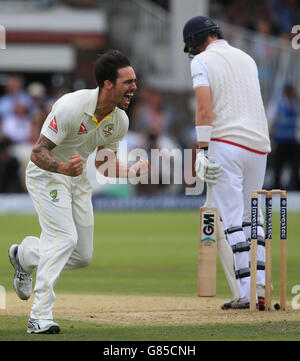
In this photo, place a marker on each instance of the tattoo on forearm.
(42, 157)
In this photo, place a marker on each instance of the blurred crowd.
(273, 17)
(22, 113)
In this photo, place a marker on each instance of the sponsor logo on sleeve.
(82, 129)
(53, 125)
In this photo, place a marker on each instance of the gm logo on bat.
(208, 224)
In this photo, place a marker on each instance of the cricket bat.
(207, 265)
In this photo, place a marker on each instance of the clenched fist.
(73, 167)
(139, 168)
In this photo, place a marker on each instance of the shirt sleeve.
(199, 73)
(57, 124)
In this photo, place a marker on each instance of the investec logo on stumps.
(269, 217)
(283, 218)
(254, 204)
(208, 228)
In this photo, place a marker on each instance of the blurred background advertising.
(50, 50)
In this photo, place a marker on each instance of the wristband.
(203, 133)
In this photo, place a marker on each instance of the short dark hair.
(213, 33)
(107, 65)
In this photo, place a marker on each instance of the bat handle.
(209, 195)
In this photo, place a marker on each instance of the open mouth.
(128, 97)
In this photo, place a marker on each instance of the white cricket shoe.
(42, 326)
(22, 279)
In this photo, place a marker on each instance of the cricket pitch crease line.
(110, 321)
(92, 318)
(151, 311)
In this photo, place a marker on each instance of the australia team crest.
(108, 129)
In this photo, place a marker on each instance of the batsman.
(231, 129)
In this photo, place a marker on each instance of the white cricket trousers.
(243, 171)
(66, 218)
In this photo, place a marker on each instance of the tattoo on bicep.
(45, 143)
(42, 154)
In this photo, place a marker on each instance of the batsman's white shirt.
(232, 75)
(63, 203)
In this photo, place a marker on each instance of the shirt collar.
(97, 123)
(92, 102)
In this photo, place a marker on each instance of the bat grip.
(209, 195)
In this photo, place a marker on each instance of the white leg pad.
(226, 258)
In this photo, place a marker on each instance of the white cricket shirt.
(72, 126)
(232, 75)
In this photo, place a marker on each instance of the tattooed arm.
(42, 157)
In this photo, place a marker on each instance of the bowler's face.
(125, 87)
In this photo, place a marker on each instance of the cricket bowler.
(56, 179)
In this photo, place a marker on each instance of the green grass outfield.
(147, 253)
